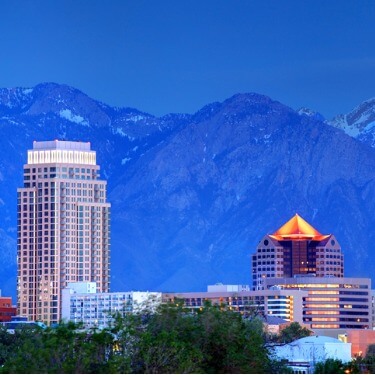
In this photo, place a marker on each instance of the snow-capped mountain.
(310, 113)
(192, 194)
(359, 123)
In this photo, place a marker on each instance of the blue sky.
(177, 56)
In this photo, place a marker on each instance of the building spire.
(297, 228)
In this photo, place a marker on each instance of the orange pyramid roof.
(297, 229)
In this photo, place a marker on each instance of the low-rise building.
(21, 322)
(332, 302)
(360, 339)
(303, 354)
(373, 307)
(285, 304)
(81, 304)
(7, 310)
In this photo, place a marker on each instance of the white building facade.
(302, 355)
(82, 304)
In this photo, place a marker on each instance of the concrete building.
(285, 304)
(360, 339)
(82, 304)
(332, 302)
(373, 307)
(302, 355)
(7, 310)
(296, 248)
(21, 322)
(63, 227)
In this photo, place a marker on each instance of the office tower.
(296, 249)
(63, 227)
(332, 302)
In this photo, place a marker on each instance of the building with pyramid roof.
(297, 257)
(296, 249)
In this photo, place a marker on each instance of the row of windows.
(259, 250)
(339, 319)
(60, 175)
(330, 250)
(328, 256)
(59, 169)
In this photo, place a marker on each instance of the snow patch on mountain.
(359, 123)
(341, 122)
(67, 114)
(120, 132)
(369, 127)
(135, 118)
(310, 113)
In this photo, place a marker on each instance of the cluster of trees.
(169, 339)
(359, 365)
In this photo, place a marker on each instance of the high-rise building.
(63, 227)
(296, 249)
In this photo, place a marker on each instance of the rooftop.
(61, 145)
(297, 229)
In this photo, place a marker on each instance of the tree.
(293, 331)
(156, 340)
(369, 360)
(64, 349)
(173, 339)
(229, 343)
(166, 339)
(330, 366)
(10, 343)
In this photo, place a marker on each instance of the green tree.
(330, 366)
(166, 339)
(368, 362)
(10, 343)
(64, 349)
(293, 331)
(174, 339)
(157, 341)
(229, 343)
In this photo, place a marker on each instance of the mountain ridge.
(192, 194)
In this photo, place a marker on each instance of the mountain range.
(192, 194)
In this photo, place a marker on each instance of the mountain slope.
(359, 123)
(193, 194)
(217, 186)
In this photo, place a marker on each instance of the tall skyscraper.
(296, 249)
(63, 227)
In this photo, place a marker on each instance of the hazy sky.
(176, 56)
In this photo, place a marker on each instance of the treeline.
(169, 340)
